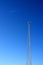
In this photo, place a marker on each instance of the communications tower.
(29, 54)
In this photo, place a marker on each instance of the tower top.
(28, 22)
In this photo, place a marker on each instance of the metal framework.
(29, 57)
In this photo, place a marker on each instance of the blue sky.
(14, 15)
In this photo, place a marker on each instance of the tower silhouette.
(29, 54)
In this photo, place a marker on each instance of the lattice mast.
(29, 54)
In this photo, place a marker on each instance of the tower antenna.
(29, 57)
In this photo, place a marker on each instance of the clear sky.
(14, 15)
